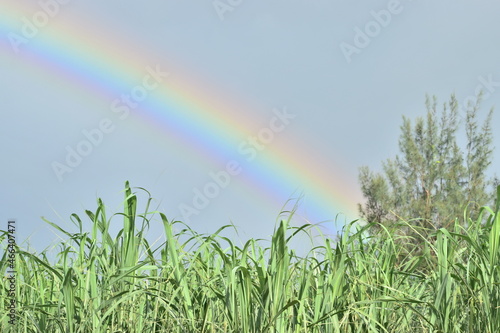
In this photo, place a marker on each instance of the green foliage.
(433, 179)
(206, 283)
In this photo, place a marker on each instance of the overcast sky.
(322, 85)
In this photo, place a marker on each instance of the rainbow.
(184, 110)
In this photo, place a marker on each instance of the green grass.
(206, 283)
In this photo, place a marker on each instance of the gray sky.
(346, 70)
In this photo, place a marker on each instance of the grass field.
(370, 279)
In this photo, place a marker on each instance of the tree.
(434, 179)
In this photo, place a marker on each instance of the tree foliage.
(434, 178)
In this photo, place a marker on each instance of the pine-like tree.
(434, 179)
